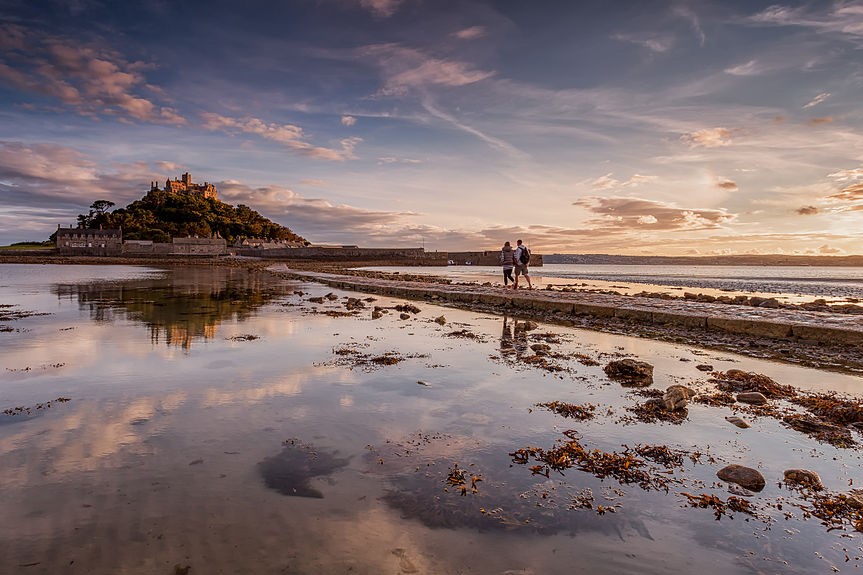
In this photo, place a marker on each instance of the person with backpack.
(522, 259)
(507, 260)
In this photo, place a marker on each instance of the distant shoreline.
(729, 260)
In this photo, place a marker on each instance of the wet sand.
(824, 340)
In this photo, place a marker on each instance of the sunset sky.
(625, 127)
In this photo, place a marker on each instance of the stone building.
(186, 186)
(199, 246)
(89, 242)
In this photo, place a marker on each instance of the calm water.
(793, 284)
(225, 421)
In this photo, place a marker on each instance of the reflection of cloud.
(708, 138)
(287, 134)
(91, 80)
(617, 213)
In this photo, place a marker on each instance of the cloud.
(286, 134)
(819, 121)
(394, 160)
(348, 120)
(852, 193)
(807, 210)
(817, 100)
(607, 182)
(845, 19)
(687, 13)
(406, 69)
(471, 33)
(381, 8)
(627, 214)
(90, 80)
(727, 185)
(654, 44)
(750, 68)
(708, 138)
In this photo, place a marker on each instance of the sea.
(222, 420)
(791, 284)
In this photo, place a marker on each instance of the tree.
(101, 206)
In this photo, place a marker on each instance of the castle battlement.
(186, 186)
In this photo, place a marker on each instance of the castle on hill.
(186, 186)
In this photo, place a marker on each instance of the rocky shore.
(818, 339)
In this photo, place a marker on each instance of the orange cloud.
(708, 138)
(819, 121)
(807, 210)
(627, 214)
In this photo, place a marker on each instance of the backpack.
(525, 255)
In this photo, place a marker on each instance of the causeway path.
(823, 339)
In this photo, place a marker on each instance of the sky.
(594, 126)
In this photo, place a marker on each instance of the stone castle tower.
(186, 186)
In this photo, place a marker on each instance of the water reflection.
(179, 306)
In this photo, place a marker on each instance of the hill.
(729, 260)
(163, 214)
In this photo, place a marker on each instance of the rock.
(744, 476)
(756, 301)
(770, 302)
(404, 316)
(704, 367)
(855, 499)
(735, 489)
(676, 397)
(440, 319)
(753, 397)
(377, 314)
(738, 421)
(541, 348)
(630, 371)
(803, 477)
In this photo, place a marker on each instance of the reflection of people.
(520, 268)
(520, 331)
(507, 260)
(506, 345)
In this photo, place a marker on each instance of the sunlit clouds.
(682, 128)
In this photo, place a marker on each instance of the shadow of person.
(506, 342)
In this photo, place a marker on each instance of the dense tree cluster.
(161, 215)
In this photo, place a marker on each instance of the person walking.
(507, 260)
(522, 257)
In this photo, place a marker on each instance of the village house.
(89, 241)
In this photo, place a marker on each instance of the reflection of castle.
(185, 186)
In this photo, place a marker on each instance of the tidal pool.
(228, 421)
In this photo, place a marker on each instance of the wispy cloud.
(471, 33)
(628, 214)
(90, 80)
(289, 135)
(687, 13)
(843, 18)
(608, 182)
(381, 8)
(652, 43)
(817, 100)
(750, 68)
(708, 138)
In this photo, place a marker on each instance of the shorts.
(521, 269)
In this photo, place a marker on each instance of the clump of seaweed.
(652, 411)
(736, 380)
(719, 506)
(830, 407)
(835, 510)
(457, 477)
(571, 410)
(353, 358)
(718, 399)
(625, 467)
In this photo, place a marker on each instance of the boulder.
(630, 371)
(676, 397)
(855, 499)
(704, 367)
(753, 397)
(440, 319)
(377, 314)
(744, 476)
(404, 316)
(770, 302)
(738, 421)
(803, 477)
